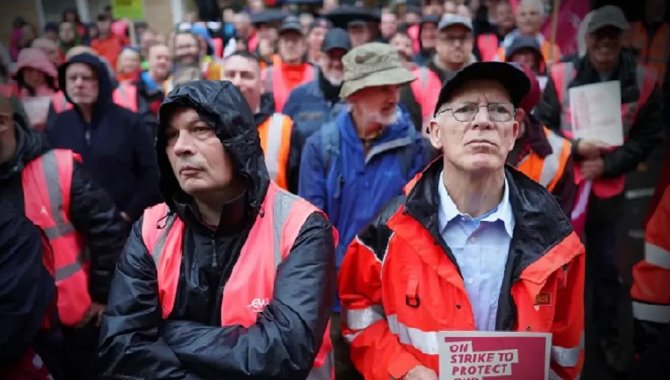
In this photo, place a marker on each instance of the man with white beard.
(315, 103)
(354, 165)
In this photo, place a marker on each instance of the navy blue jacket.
(115, 147)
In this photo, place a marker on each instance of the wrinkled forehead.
(179, 117)
(81, 69)
(481, 91)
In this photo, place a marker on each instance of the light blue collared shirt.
(480, 246)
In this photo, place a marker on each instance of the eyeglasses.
(499, 112)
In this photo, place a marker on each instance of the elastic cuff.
(401, 364)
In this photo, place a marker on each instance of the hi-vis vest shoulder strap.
(547, 171)
(46, 183)
(654, 53)
(125, 95)
(426, 90)
(275, 136)
(60, 103)
(268, 244)
(276, 83)
(488, 46)
(651, 276)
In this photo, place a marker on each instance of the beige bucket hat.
(370, 65)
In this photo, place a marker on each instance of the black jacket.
(92, 212)
(115, 146)
(27, 291)
(642, 137)
(135, 341)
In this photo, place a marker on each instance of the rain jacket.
(136, 343)
(401, 285)
(309, 107)
(27, 294)
(35, 59)
(353, 187)
(115, 147)
(91, 210)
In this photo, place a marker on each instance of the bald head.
(49, 47)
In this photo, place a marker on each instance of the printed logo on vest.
(257, 305)
(543, 299)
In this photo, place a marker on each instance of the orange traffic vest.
(395, 305)
(251, 284)
(275, 135)
(654, 53)
(562, 74)
(488, 46)
(124, 95)
(546, 48)
(651, 276)
(547, 171)
(426, 91)
(46, 185)
(279, 86)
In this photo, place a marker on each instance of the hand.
(593, 168)
(94, 311)
(591, 149)
(420, 373)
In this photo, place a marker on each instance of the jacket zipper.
(215, 263)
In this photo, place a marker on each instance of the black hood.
(221, 103)
(30, 144)
(105, 86)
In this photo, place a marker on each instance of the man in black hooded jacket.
(111, 140)
(231, 278)
(91, 214)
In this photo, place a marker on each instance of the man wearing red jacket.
(473, 245)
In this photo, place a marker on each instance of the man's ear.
(435, 133)
(519, 117)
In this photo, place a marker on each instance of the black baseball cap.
(336, 38)
(291, 24)
(513, 79)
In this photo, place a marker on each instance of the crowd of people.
(317, 191)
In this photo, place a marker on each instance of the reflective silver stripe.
(645, 192)
(552, 161)
(567, 356)
(281, 208)
(69, 270)
(553, 375)
(359, 319)
(651, 312)
(568, 74)
(50, 169)
(656, 255)
(58, 231)
(324, 372)
(350, 337)
(157, 251)
(424, 341)
(273, 145)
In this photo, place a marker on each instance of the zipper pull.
(87, 136)
(215, 262)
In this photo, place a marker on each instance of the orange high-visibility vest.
(426, 90)
(547, 171)
(651, 276)
(488, 46)
(252, 279)
(654, 53)
(46, 185)
(275, 135)
(124, 95)
(277, 84)
(562, 74)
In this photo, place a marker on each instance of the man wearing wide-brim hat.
(361, 160)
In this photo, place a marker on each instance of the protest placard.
(483, 355)
(595, 112)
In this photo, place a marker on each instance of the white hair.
(537, 4)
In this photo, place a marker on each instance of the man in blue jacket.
(313, 104)
(114, 146)
(361, 160)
